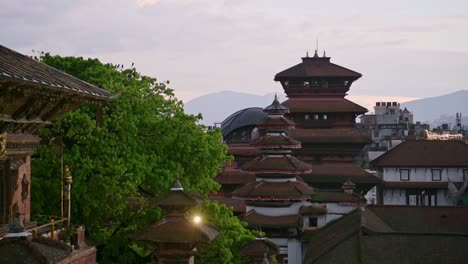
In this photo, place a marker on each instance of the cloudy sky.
(403, 48)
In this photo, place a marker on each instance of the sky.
(409, 49)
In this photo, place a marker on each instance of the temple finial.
(307, 54)
(324, 54)
(177, 185)
(315, 54)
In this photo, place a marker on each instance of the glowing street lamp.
(197, 219)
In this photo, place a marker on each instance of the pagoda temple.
(294, 170)
(176, 236)
(273, 199)
(325, 122)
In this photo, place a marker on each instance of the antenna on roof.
(317, 47)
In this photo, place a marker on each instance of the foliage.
(143, 140)
(225, 249)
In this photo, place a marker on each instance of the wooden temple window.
(404, 175)
(436, 174)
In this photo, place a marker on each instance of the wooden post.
(67, 181)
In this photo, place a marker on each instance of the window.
(376, 133)
(307, 117)
(465, 175)
(404, 175)
(313, 221)
(421, 198)
(306, 84)
(316, 117)
(325, 117)
(436, 175)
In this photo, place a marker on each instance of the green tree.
(144, 139)
(225, 249)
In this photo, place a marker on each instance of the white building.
(423, 173)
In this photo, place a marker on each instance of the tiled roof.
(176, 230)
(22, 69)
(277, 164)
(255, 219)
(276, 141)
(331, 235)
(425, 153)
(335, 197)
(313, 210)
(261, 190)
(37, 250)
(229, 176)
(258, 247)
(339, 174)
(238, 206)
(316, 67)
(393, 234)
(413, 219)
(322, 105)
(275, 123)
(243, 150)
(180, 199)
(332, 135)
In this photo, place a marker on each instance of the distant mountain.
(216, 107)
(435, 110)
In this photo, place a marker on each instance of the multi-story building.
(291, 205)
(423, 173)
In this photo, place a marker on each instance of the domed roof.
(245, 117)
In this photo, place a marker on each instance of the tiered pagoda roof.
(323, 105)
(274, 191)
(257, 220)
(316, 67)
(284, 164)
(278, 141)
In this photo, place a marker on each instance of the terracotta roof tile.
(276, 122)
(323, 105)
(258, 247)
(316, 67)
(228, 176)
(255, 219)
(238, 206)
(19, 68)
(436, 219)
(425, 153)
(175, 230)
(261, 190)
(277, 164)
(276, 141)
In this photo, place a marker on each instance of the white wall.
(294, 251)
(423, 174)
